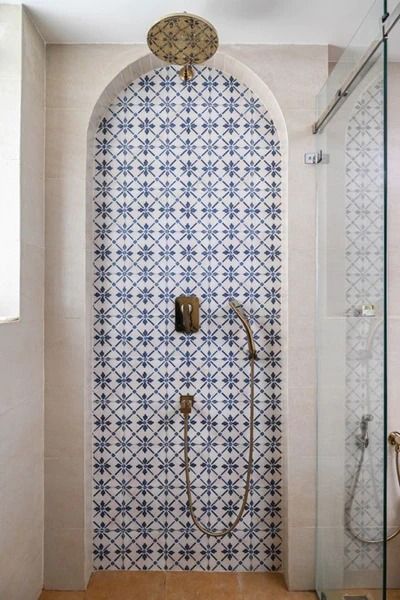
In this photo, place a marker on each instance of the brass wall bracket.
(186, 404)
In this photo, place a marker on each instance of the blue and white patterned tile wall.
(187, 201)
(364, 335)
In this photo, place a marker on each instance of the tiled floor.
(369, 594)
(182, 586)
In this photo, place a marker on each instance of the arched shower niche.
(187, 196)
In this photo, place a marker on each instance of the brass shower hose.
(352, 495)
(231, 527)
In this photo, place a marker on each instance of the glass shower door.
(393, 313)
(351, 330)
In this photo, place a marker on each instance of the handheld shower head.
(238, 309)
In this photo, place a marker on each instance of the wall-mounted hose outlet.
(186, 404)
(362, 440)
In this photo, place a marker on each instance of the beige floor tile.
(299, 596)
(202, 586)
(268, 586)
(338, 594)
(62, 596)
(117, 585)
(259, 586)
(127, 585)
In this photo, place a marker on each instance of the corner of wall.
(21, 342)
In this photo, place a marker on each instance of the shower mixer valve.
(187, 314)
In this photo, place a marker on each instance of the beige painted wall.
(21, 342)
(76, 77)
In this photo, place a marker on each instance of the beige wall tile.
(65, 282)
(300, 423)
(16, 587)
(21, 523)
(64, 498)
(64, 559)
(331, 554)
(300, 575)
(301, 491)
(331, 478)
(301, 365)
(64, 424)
(21, 343)
(68, 157)
(32, 217)
(301, 305)
(332, 421)
(72, 88)
(65, 213)
(32, 286)
(282, 68)
(20, 428)
(21, 511)
(64, 356)
(393, 570)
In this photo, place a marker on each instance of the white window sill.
(8, 320)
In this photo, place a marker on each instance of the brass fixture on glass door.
(183, 39)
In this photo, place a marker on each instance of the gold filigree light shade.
(183, 39)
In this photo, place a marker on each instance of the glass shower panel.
(393, 318)
(369, 31)
(351, 340)
(390, 5)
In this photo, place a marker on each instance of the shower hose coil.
(230, 528)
